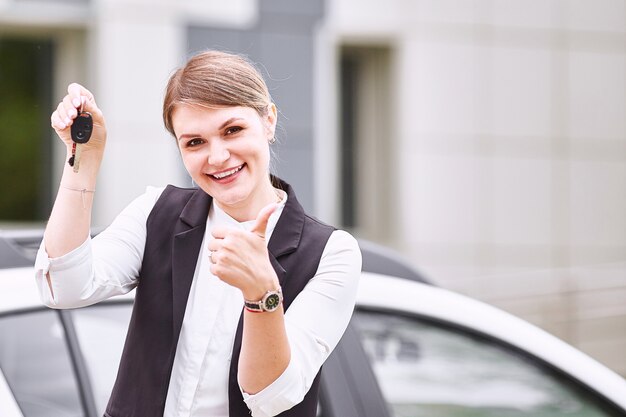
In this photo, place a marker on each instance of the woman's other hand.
(67, 110)
(240, 257)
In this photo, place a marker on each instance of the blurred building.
(484, 139)
(489, 145)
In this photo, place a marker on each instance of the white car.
(411, 350)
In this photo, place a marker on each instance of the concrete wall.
(511, 142)
(281, 41)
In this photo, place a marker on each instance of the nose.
(218, 153)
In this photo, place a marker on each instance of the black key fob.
(82, 127)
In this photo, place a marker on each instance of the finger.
(220, 232)
(56, 122)
(215, 245)
(216, 270)
(260, 226)
(62, 115)
(70, 110)
(76, 91)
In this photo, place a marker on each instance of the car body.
(412, 349)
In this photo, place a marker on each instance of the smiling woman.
(223, 121)
(227, 274)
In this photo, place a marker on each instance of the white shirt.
(109, 265)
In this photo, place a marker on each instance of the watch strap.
(253, 306)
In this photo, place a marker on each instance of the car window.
(428, 369)
(35, 361)
(101, 331)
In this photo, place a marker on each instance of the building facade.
(484, 139)
(494, 134)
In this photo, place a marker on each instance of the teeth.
(227, 173)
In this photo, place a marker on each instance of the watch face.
(272, 302)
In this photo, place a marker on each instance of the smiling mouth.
(226, 174)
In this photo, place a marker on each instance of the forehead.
(188, 116)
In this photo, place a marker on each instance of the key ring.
(82, 107)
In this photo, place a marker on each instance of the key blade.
(76, 157)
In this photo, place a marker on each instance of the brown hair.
(215, 78)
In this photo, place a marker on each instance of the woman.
(241, 296)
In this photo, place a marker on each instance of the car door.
(349, 387)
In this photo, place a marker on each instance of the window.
(35, 361)
(366, 141)
(428, 369)
(25, 143)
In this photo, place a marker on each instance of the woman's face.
(226, 152)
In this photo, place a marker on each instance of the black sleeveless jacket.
(175, 229)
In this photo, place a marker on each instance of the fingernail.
(76, 102)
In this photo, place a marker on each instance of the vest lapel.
(288, 231)
(190, 232)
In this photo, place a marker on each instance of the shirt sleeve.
(314, 322)
(99, 268)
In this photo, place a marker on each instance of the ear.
(271, 119)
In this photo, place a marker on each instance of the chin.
(230, 199)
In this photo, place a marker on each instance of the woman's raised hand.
(240, 258)
(67, 110)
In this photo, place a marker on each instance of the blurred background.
(483, 139)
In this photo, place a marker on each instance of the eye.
(194, 142)
(232, 130)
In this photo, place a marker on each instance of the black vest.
(175, 229)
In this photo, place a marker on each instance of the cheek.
(192, 162)
(263, 156)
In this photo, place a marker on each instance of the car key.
(81, 133)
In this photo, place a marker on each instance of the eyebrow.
(229, 121)
(226, 123)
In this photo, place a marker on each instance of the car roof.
(18, 289)
(19, 248)
(379, 259)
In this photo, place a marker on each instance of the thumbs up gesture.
(240, 257)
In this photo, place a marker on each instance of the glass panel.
(349, 93)
(425, 369)
(25, 103)
(366, 139)
(101, 332)
(37, 366)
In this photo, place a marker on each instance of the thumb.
(260, 226)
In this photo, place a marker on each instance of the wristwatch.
(270, 302)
